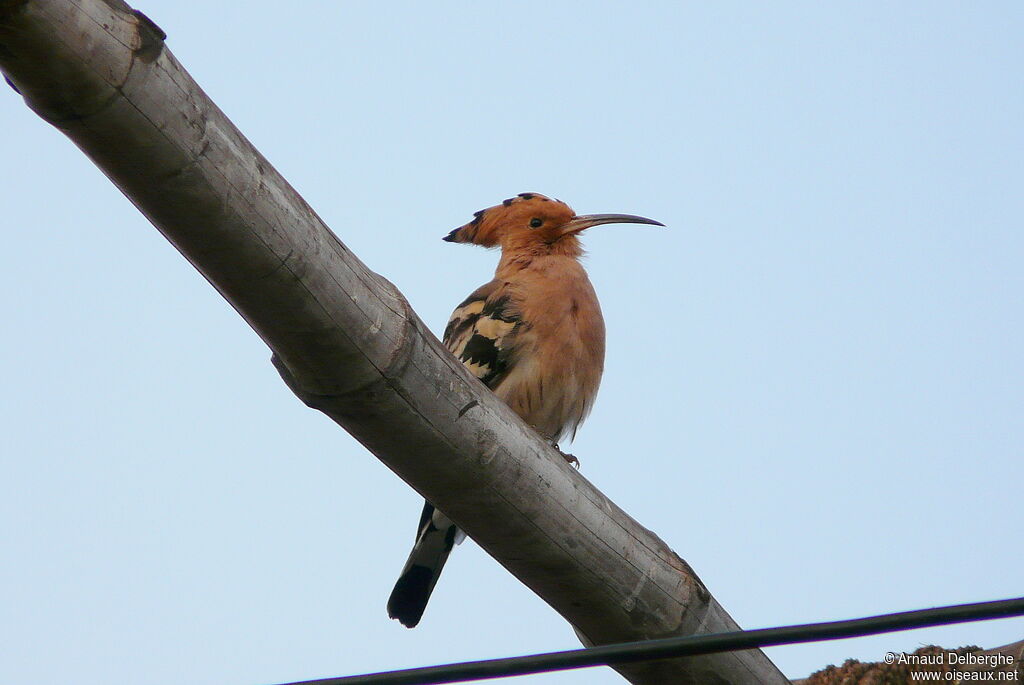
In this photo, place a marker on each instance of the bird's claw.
(573, 461)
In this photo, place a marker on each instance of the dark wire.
(684, 646)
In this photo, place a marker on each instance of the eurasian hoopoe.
(534, 335)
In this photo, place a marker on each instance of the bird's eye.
(535, 223)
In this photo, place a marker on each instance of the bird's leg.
(568, 457)
(554, 443)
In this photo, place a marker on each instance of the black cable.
(649, 650)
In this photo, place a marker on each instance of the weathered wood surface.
(345, 339)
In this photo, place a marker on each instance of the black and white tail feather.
(436, 537)
(480, 333)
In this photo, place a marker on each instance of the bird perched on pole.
(534, 335)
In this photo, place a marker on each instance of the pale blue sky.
(813, 388)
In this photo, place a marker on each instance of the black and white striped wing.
(481, 333)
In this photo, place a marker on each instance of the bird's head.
(534, 223)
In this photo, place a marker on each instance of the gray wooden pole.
(346, 341)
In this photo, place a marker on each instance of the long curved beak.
(581, 223)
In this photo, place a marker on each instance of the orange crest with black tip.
(524, 214)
